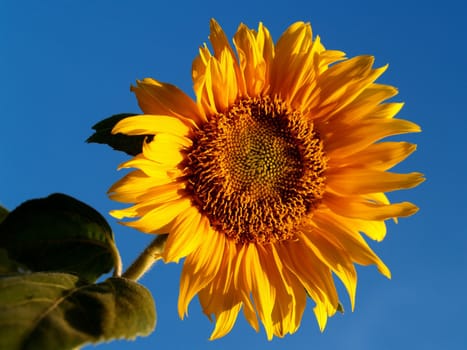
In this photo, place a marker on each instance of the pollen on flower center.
(256, 170)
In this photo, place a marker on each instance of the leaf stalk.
(146, 259)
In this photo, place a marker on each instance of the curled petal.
(159, 98)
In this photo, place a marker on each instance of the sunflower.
(266, 183)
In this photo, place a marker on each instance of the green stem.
(116, 258)
(148, 257)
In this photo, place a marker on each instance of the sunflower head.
(256, 170)
(267, 181)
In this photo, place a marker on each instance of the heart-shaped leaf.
(57, 311)
(59, 233)
(131, 145)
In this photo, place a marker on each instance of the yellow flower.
(266, 182)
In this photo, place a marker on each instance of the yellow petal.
(252, 62)
(250, 313)
(220, 84)
(225, 306)
(228, 78)
(224, 282)
(160, 194)
(350, 181)
(368, 104)
(165, 149)
(375, 230)
(151, 196)
(334, 256)
(151, 125)
(218, 39)
(290, 294)
(343, 83)
(155, 97)
(243, 283)
(315, 277)
(200, 268)
(198, 74)
(220, 297)
(300, 81)
(339, 229)
(327, 57)
(292, 51)
(321, 316)
(297, 38)
(372, 96)
(378, 156)
(357, 137)
(355, 207)
(135, 184)
(221, 46)
(160, 216)
(226, 320)
(186, 235)
(305, 95)
(257, 281)
(159, 174)
(266, 47)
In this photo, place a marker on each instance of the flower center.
(256, 170)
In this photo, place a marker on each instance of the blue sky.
(64, 65)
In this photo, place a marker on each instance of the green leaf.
(60, 233)
(57, 311)
(3, 213)
(131, 145)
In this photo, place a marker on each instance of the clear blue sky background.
(64, 65)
